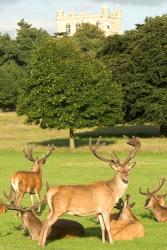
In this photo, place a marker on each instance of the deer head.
(125, 208)
(122, 169)
(37, 162)
(151, 195)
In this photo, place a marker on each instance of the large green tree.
(138, 60)
(68, 89)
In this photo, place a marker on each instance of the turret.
(60, 13)
(105, 10)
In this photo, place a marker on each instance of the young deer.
(127, 227)
(62, 228)
(92, 199)
(156, 202)
(29, 181)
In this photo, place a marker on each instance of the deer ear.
(131, 165)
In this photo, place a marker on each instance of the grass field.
(79, 166)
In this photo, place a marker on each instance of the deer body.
(127, 227)
(159, 212)
(156, 202)
(127, 230)
(29, 181)
(97, 198)
(62, 227)
(94, 195)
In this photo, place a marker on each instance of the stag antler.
(135, 142)
(114, 160)
(51, 148)
(148, 193)
(28, 153)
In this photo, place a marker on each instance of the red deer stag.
(127, 227)
(29, 181)
(62, 228)
(97, 198)
(156, 203)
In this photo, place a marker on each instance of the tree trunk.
(72, 141)
(163, 129)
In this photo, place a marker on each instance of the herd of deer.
(96, 199)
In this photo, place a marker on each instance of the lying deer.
(62, 228)
(29, 181)
(92, 199)
(156, 203)
(127, 227)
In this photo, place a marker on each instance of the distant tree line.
(86, 80)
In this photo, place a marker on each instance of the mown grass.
(80, 167)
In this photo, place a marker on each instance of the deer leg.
(103, 228)
(19, 198)
(39, 200)
(32, 199)
(106, 218)
(45, 228)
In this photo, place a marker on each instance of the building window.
(108, 27)
(78, 26)
(68, 28)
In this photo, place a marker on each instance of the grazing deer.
(29, 181)
(156, 203)
(97, 198)
(127, 227)
(62, 228)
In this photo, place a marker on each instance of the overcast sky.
(42, 13)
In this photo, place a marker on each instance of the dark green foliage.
(15, 56)
(8, 49)
(11, 76)
(138, 60)
(89, 38)
(27, 38)
(67, 89)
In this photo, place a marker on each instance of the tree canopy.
(138, 62)
(90, 38)
(15, 56)
(68, 89)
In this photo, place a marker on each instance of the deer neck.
(119, 187)
(33, 225)
(37, 170)
(127, 215)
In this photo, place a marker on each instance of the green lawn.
(65, 167)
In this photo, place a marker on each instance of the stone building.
(109, 22)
